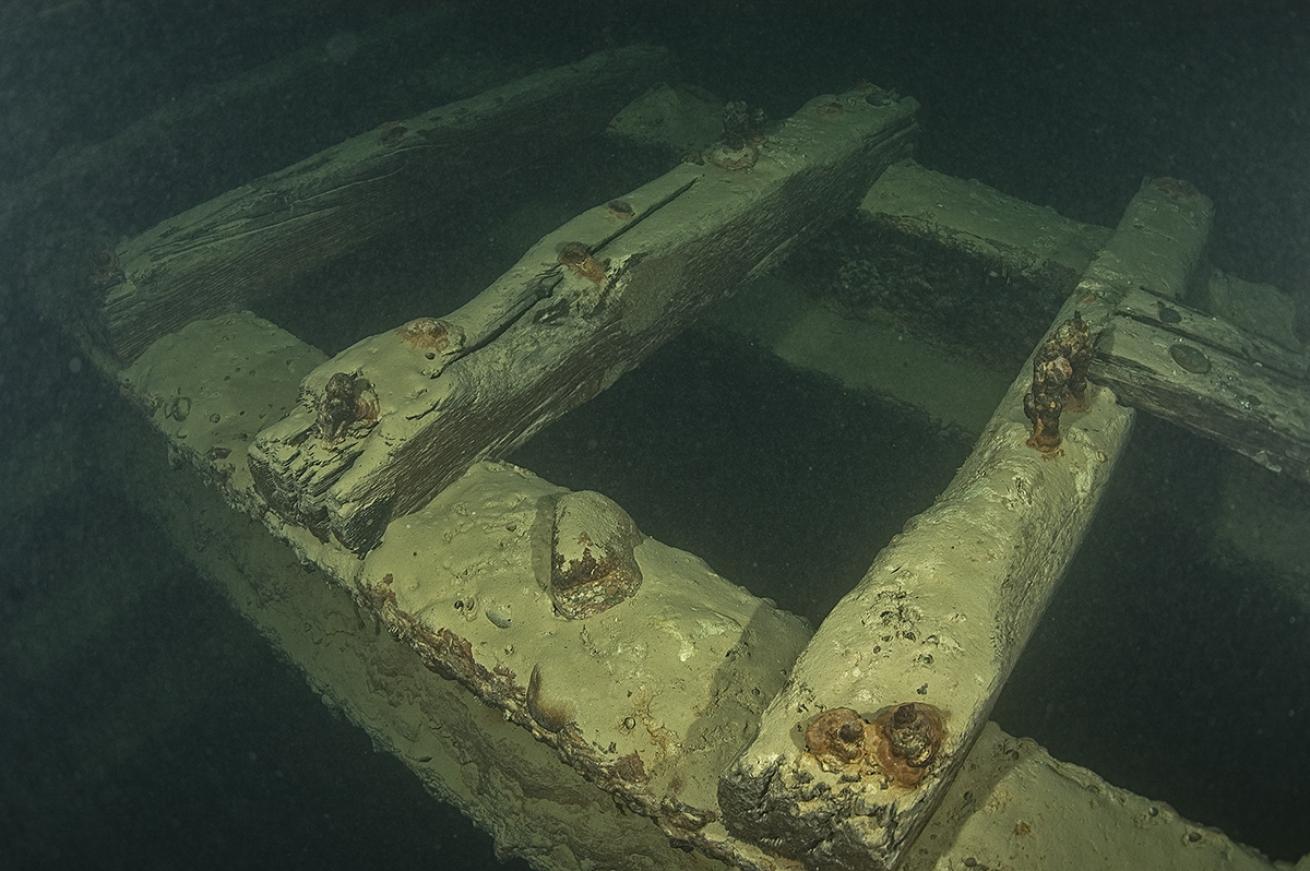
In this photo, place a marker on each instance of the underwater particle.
(837, 739)
(1190, 358)
(592, 564)
(909, 737)
(347, 400)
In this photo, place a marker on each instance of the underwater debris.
(1059, 374)
(347, 400)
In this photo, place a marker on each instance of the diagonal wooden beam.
(253, 240)
(881, 709)
(583, 306)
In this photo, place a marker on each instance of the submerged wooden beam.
(884, 704)
(583, 306)
(1243, 391)
(253, 240)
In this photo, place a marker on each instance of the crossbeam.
(583, 306)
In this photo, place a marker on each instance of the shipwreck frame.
(731, 736)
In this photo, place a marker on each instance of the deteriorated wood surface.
(255, 239)
(946, 608)
(1206, 375)
(583, 306)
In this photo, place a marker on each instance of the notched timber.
(1210, 377)
(254, 240)
(583, 306)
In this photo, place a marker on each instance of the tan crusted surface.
(659, 692)
(991, 220)
(465, 751)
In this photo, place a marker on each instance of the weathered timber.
(1206, 375)
(943, 613)
(582, 307)
(970, 267)
(648, 699)
(216, 137)
(256, 238)
(531, 795)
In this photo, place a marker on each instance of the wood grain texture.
(255, 239)
(547, 336)
(1204, 374)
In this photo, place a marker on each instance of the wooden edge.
(255, 239)
(927, 638)
(585, 304)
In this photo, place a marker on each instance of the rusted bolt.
(836, 738)
(909, 738)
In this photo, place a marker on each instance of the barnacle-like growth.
(105, 268)
(909, 737)
(348, 401)
(577, 258)
(741, 124)
(592, 563)
(1059, 375)
(836, 740)
(739, 146)
(432, 335)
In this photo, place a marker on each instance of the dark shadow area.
(1168, 674)
(164, 733)
(781, 480)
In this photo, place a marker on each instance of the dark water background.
(1178, 678)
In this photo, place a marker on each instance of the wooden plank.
(256, 238)
(1206, 375)
(860, 747)
(215, 137)
(549, 334)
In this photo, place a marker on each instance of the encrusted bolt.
(1059, 374)
(348, 399)
(909, 738)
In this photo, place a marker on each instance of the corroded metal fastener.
(1059, 375)
(901, 742)
(348, 400)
